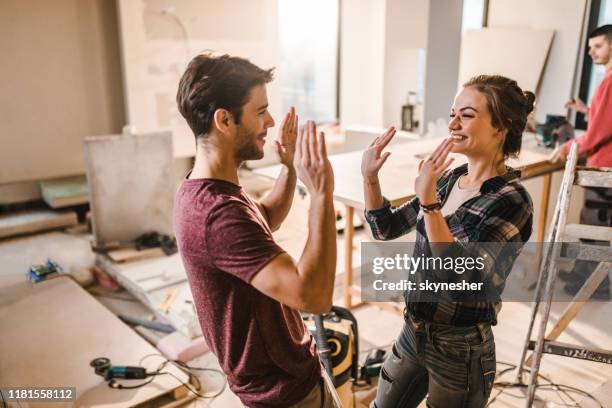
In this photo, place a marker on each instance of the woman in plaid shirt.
(446, 349)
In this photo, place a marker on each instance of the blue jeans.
(452, 366)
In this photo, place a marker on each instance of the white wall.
(563, 16)
(405, 41)
(159, 39)
(362, 55)
(381, 43)
(60, 80)
(442, 64)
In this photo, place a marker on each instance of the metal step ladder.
(556, 247)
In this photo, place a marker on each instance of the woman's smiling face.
(470, 127)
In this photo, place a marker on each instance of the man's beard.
(247, 147)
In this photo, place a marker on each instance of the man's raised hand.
(311, 162)
(287, 136)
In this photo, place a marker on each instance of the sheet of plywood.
(131, 185)
(566, 17)
(52, 332)
(518, 53)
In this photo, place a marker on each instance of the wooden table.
(397, 183)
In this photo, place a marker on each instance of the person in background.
(246, 289)
(596, 143)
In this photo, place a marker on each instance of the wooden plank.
(594, 178)
(132, 254)
(28, 222)
(587, 232)
(65, 192)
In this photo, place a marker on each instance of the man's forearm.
(277, 202)
(317, 266)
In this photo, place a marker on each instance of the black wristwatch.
(431, 208)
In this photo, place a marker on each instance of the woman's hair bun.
(529, 101)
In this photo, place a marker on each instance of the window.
(308, 71)
(474, 14)
(601, 13)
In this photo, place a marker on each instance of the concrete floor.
(592, 327)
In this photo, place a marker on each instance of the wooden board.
(518, 53)
(65, 192)
(27, 222)
(52, 332)
(131, 185)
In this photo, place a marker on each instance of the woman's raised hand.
(430, 171)
(373, 158)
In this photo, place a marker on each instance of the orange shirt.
(599, 127)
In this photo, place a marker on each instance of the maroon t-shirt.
(263, 346)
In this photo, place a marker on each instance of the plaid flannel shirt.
(500, 216)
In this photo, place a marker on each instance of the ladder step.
(586, 252)
(593, 177)
(588, 232)
(575, 351)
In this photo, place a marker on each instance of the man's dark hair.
(603, 30)
(216, 82)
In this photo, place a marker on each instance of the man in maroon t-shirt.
(246, 289)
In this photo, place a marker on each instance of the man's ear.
(223, 121)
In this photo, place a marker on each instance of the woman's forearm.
(437, 228)
(372, 193)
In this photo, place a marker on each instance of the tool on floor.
(38, 273)
(555, 248)
(338, 331)
(102, 367)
